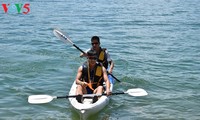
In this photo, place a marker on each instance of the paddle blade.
(61, 35)
(40, 99)
(137, 92)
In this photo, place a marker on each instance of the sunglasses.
(95, 43)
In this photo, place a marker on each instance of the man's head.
(92, 56)
(95, 42)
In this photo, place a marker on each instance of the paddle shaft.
(118, 93)
(79, 49)
(60, 97)
(114, 77)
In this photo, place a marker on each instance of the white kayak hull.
(87, 108)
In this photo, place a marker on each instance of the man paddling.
(90, 77)
(102, 54)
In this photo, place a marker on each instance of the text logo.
(16, 8)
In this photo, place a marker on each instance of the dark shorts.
(89, 91)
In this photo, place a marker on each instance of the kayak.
(87, 107)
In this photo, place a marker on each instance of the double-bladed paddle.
(39, 99)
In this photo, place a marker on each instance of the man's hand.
(84, 84)
(108, 92)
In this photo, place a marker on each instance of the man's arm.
(111, 66)
(84, 54)
(78, 77)
(105, 76)
(110, 61)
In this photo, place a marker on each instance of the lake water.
(154, 44)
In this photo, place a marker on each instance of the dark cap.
(92, 53)
(95, 38)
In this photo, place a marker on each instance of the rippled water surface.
(154, 44)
